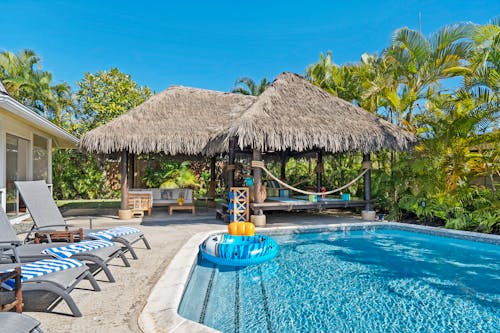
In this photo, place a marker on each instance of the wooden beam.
(232, 158)
(319, 170)
(124, 180)
(211, 186)
(368, 184)
(131, 170)
(283, 167)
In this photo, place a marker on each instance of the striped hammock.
(109, 234)
(42, 267)
(69, 250)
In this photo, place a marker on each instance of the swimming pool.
(375, 280)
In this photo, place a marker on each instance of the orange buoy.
(241, 229)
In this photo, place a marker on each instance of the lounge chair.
(48, 218)
(55, 276)
(13, 250)
(19, 323)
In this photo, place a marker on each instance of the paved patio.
(117, 307)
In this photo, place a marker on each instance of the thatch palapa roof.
(293, 114)
(177, 121)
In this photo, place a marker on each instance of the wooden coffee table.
(179, 207)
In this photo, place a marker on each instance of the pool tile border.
(160, 312)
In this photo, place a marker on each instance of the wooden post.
(259, 219)
(232, 158)
(131, 170)
(18, 290)
(319, 170)
(283, 167)
(368, 183)
(124, 180)
(211, 186)
(257, 178)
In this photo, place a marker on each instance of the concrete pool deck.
(118, 306)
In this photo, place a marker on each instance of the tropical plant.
(79, 176)
(25, 81)
(16, 73)
(458, 128)
(105, 95)
(171, 174)
(340, 81)
(102, 96)
(247, 86)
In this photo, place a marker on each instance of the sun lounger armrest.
(49, 228)
(9, 245)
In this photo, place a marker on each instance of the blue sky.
(208, 44)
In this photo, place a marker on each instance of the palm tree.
(421, 62)
(60, 102)
(248, 86)
(482, 76)
(25, 81)
(16, 72)
(340, 81)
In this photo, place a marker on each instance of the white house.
(26, 143)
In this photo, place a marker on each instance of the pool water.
(381, 280)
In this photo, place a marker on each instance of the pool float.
(231, 250)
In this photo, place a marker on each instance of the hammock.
(260, 164)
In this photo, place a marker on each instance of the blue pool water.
(359, 281)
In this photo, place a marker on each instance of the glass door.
(16, 169)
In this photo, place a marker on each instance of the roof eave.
(63, 138)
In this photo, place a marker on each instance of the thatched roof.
(293, 114)
(177, 121)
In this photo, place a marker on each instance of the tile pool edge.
(160, 314)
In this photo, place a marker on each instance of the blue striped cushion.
(41, 268)
(114, 232)
(69, 250)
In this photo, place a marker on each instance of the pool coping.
(160, 314)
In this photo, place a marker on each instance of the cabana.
(179, 121)
(293, 116)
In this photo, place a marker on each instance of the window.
(16, 169)
(40, 158)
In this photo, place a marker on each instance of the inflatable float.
(238, 250)
(241, 247)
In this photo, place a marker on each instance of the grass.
(90, 204)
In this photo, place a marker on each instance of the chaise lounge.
(51, 276)
(18, 322)
(13, 250)
(48, 218)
